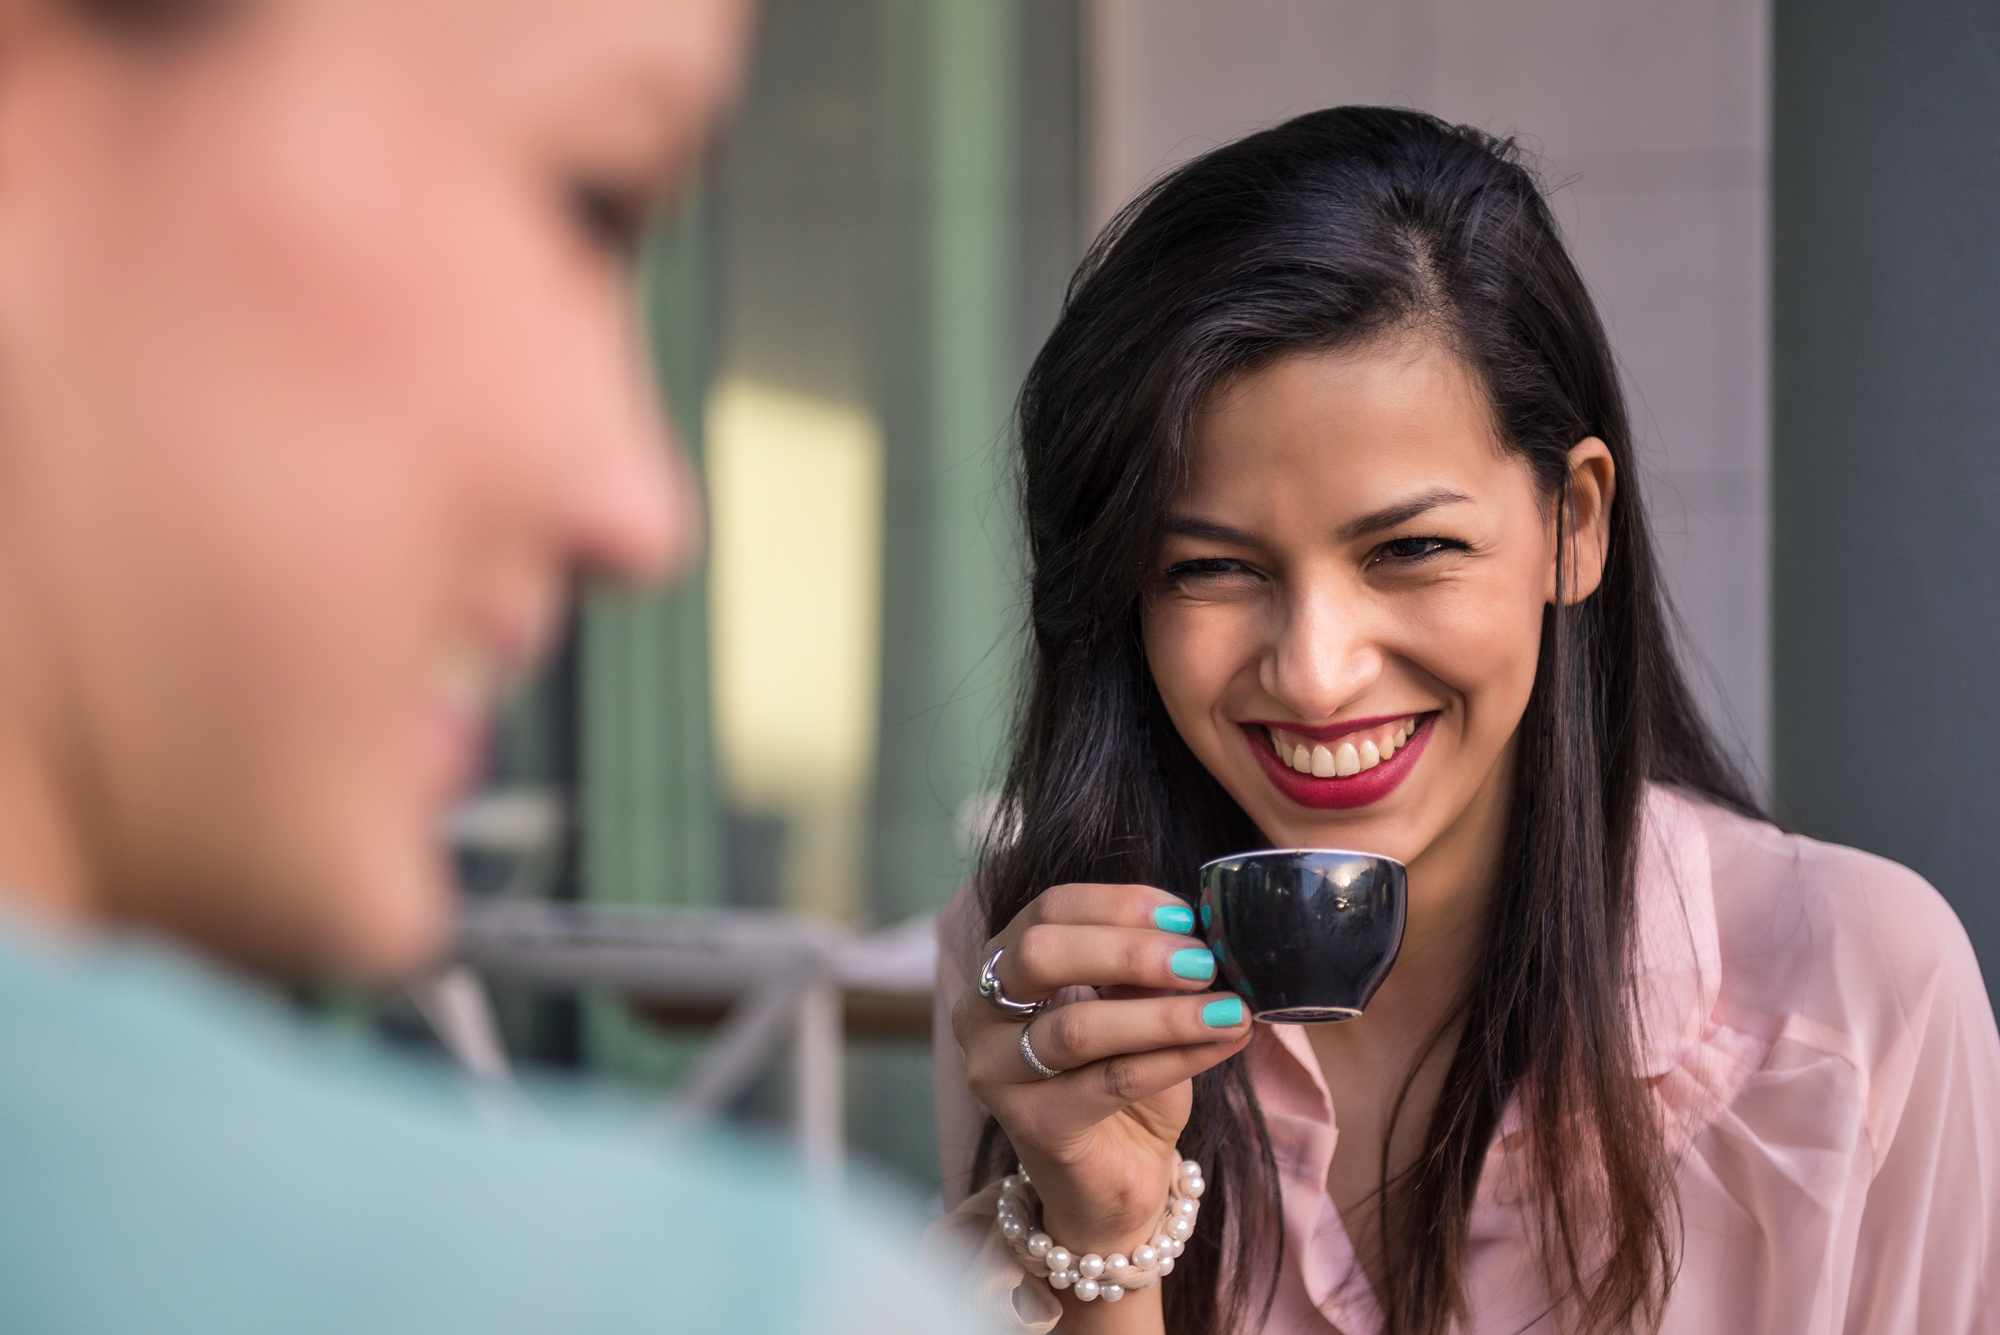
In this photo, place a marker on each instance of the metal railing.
(765, 977)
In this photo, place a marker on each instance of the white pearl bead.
(1164, 1245)
(1091, 1266)
(1111, 1293)
(1061, 1279)
(1116, 1261)
(1039, 1244)
(1167, 1266)
(1145, 1257)
(1189, 1168)
(1013, 1182)
(1059, 1258)
(1185, 1209)
(1086, 1289)
(1011, 1229)
(1180, 1228)
(1180, 1245)
(1195, 1186)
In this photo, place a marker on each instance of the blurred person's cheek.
(367, 402)
(466, 420)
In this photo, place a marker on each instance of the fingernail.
(1222, 1014)
(1205, 918)
(1174, 918)
(1194, 962)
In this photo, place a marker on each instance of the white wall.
(1652, 117)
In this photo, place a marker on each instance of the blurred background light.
(795, 627)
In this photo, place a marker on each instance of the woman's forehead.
(1352, 422)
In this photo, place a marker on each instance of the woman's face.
(1346, 616)
(318, 385)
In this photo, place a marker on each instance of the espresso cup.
(1304, 935)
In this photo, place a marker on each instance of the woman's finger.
(1078, 1100)
(1082, 1032)
(1045, 958)
(1077, 1035)
(1108, 906)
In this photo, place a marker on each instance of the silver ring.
(996, 996)
(1028, 1051)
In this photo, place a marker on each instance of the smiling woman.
(1336, 543)
(1349, 515)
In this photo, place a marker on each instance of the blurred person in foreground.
(318, 388)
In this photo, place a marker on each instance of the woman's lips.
(1355, 790)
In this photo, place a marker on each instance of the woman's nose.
(1324, 656)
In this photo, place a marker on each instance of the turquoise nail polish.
(1206, 917)
(1194, 962)
(1174, 918)
(1221, 1014)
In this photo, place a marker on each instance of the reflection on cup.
(1304, 935)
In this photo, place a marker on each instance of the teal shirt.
(178, 1155)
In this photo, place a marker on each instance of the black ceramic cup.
(1304, 935)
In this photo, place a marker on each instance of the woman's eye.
(612, 220)
(1205, 567)
(1409, 550)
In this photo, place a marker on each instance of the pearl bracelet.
(1093, 1276)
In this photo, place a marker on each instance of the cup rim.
(1337, 852)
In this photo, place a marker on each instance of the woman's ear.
(1585, 520)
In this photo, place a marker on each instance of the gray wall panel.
(1886, 230)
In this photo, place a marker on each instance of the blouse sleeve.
(1847, 1173)
(997, 1290)
(1927, 1249)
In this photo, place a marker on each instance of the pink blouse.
(1815, 1026)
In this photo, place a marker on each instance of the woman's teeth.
(1349, 756)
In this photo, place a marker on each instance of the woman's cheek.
(1481, 644)
(1188, 652)
(1506, 642)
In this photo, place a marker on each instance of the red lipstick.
(1328, 731)
(1336, 794)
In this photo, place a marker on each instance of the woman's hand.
(1098, 1139)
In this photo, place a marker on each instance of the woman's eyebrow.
(1402, 512)
(1187, 526)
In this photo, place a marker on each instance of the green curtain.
(952, 154)
(647, 805)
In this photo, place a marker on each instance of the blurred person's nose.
(635, 514)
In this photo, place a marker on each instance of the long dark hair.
(1333, 229)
